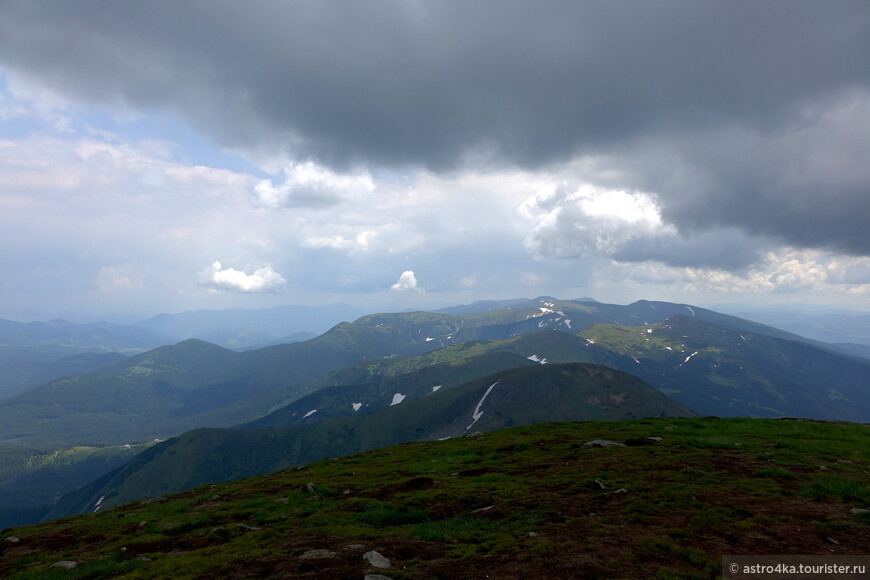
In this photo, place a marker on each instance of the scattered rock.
(123, 548)
(144, 559)
(738, 445)
(483, 509)
(824, 467)
(142, 524)
(12, 539)
(860, 511)
(475, 435)
(214, 497)
(317, 555)
(769, 445)
(376, 560)
(533, 534)
(621, 490)
(152, 500)
(832, 540)
(603, 443)
(249, 528)
(656, 438)
(376, 577)
(454, 474)
(355, 547)
(308, 488)
(66, 564)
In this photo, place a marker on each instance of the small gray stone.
(860, 511)
(656, 438)
(144, 559)
(355, 547)
(67, 564)
(376, 560)
(12, 539)
(603, 443)
(308, 488)
(376, 577)
(249, 528)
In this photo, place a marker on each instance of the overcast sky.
(159, 156)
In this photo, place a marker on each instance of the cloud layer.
(503, 146)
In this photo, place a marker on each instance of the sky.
(162, 156)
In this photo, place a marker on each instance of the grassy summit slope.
(523, 502)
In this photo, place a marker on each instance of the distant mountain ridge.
(243, 328)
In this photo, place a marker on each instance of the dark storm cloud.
(448, 84)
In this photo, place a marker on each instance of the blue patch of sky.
(21, 121)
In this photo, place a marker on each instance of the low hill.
(517, 396)
(539, 501)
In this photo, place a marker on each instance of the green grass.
(499, 505)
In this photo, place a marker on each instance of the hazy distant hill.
(25, 368)
(519, 396)
(244, 328)
(62, 337)
(832, 327)
(35, 353)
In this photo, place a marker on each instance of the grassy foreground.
(529, 502)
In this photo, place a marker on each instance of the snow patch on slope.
(397, 398)
(309, 413)
(477, 412)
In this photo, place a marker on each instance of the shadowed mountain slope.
(518, 396)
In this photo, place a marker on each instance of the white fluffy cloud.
(592, 221)
(407, 281)
(310, 185)
(263, 279)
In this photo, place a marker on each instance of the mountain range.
(381, 367)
